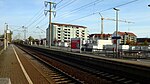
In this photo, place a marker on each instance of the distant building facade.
(95, 37)
(62, 33)
(9, 36)
(125, 37)
(141, 41)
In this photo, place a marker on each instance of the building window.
(59, 28)
(77, 31)
(59, 31)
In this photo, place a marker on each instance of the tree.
(145, 43)
(31, 39)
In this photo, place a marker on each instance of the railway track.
(125, 74)
(56, 74)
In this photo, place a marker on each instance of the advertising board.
(75, 44)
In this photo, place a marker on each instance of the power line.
(54, 1)
(40, 16)
(39, 12)
(104, 10)
(40, 21)
(58, 2)
(69, 3)
(44, 24)
(118, 6)
(83, 17)
(127, 3)
(81, 7)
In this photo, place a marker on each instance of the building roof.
(126, 33)
(99, 35)
(59, 24)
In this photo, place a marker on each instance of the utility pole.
(50, 19)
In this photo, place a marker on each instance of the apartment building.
(62, 33)
(125, 37)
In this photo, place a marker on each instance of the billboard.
(75, 44)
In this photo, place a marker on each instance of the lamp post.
(116, 30)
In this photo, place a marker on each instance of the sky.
(30, 14)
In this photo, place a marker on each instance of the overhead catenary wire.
(67, 4)
(82, 17)
(54, 1)
(35, 16)
(103, 10)
(43, 25)
(80, 8)
(58, 2)
(59, 5)
(40, 16)
(15, 26)
(39, 21)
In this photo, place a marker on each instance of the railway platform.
(17, 68)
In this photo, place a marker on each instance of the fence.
(127, 54)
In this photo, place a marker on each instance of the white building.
(99, 44)
(62, 33)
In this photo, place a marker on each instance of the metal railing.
(111, 53)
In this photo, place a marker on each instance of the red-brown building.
(100, 36)
(125, 37)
